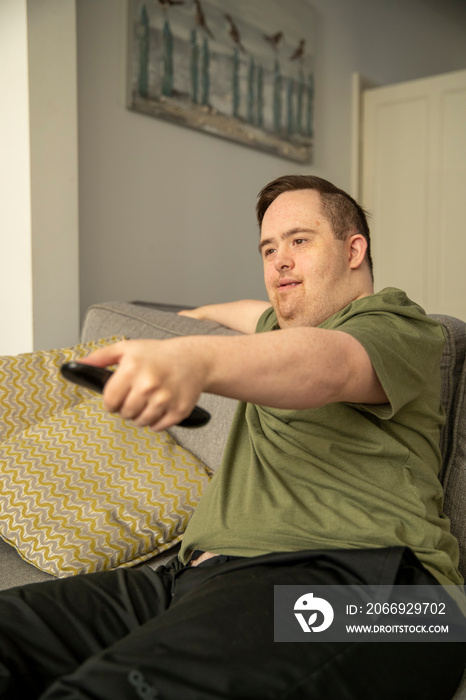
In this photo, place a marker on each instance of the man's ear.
(357, 246)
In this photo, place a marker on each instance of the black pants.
(206, 632)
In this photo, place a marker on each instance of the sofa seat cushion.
(81, 489)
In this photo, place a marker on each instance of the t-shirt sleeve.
(405, 352)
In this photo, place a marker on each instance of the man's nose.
(284, 259)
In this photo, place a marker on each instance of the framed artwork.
(238, 69)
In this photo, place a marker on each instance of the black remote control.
(95, 378)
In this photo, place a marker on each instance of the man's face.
(306, 269)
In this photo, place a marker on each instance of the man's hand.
(157, 383)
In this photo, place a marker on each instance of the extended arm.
(240, 315)
(159, 382)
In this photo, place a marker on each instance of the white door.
(413, 183)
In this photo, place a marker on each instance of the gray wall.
(167, 213)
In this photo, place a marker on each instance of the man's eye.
(299, 241)
(268, 251)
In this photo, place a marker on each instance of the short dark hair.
(344, 214)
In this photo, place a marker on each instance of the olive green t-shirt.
(343, 475)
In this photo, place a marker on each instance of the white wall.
(167, 213)
(39, 281)
(15, 253)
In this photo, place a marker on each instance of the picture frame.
(236, 69)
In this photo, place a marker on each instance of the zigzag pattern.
(81, 489)
(31, 388)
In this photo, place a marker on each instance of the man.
(329, 477)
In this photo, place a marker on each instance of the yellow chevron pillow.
(82, 490)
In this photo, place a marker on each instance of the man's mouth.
(285, 284)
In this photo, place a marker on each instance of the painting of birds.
(234, 33)
(232, 68)
(200, 20)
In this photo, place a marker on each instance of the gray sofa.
(144, 320)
